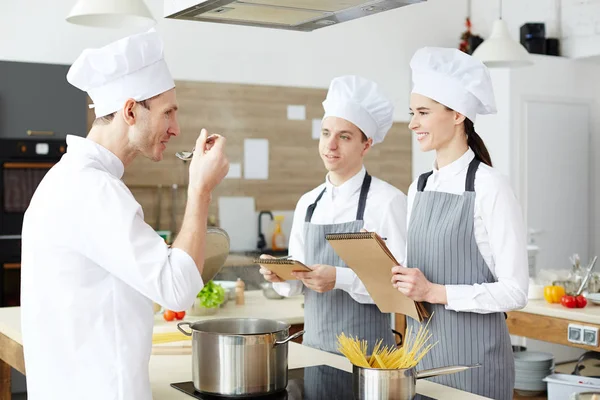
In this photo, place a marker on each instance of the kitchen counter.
(256, 306)
(588, 314)
(166, 369)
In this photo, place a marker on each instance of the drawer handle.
(40, 133)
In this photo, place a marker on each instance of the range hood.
(298, 15)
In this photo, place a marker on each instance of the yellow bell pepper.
(553, 294)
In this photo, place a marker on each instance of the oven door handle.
(10, 237)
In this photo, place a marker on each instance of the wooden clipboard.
(369, 257)
(282, 267)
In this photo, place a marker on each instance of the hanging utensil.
(158, 207)
(173, 209)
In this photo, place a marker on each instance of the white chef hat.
(361, 102)
(132, 67)
(454, 79)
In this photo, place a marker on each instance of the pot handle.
(179, 326)
(284, 341)
(428, 373)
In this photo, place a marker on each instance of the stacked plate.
(531, 367)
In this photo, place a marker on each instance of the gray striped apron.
(326, 315)
(441, 243)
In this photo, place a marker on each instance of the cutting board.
(237, 216)
(171, 343)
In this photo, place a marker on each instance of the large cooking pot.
(393, 384)
(239, 356)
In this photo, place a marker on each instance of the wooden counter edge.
(11, 356)
(545, 328)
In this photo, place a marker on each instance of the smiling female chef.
(466, 246)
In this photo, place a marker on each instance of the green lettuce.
(212, 295)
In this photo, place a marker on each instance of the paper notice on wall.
(256, 159)
(235, 171)
(316, 128)
(296, 112)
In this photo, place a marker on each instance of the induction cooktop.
(320, 382)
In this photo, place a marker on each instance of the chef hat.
(362, 103)
(454, 79)
(132, 67)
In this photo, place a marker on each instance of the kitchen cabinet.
(37, 98)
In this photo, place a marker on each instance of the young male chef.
(91, 266)
(357, 116)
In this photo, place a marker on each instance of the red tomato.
(581, 301)
(568, 301)
(169, 315)
(180, 314)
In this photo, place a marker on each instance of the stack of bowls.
(531, 367)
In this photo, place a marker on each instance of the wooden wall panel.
(250, 111)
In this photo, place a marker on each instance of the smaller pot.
(394, 384)
(269, 292)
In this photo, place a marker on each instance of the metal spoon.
(587, 276)
(187, 155)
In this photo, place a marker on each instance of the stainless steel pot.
(239, 356)
(393, 384)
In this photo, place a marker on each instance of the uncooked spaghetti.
(169, 337)
(408, 356)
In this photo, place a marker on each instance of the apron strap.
(470, 181)
(362, 201)
(423, 181)
(311, 209)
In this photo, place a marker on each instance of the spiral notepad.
(282, 268)
(368, 256)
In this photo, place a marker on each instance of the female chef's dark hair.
(475, 142)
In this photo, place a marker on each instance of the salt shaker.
(239, 292)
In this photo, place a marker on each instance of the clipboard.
(283, 267)
(368, 256)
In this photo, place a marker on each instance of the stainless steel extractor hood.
(299, 15)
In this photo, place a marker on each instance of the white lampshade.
(111, 14)
(500, 50)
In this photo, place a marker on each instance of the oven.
(23, 164)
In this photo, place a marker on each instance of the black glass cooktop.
(321, 382)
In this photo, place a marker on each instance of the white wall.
(561, 79)
(581, 28)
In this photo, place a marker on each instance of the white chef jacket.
(385, 213)
(91, 268)
(499, 232)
